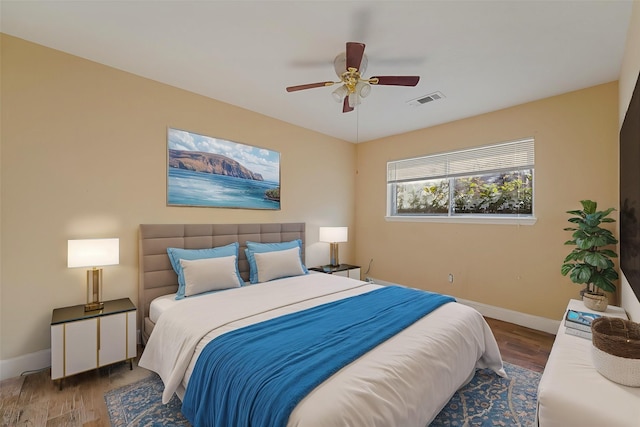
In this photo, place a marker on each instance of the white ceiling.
(482, 55)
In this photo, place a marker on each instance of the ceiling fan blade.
(309, 86)
(345, 105)
(354, 54)
(397, 80)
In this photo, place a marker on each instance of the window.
(492, 183)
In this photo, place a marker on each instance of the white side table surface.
(572, 393)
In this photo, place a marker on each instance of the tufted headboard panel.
(156, 274)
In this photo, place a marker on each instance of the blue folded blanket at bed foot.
(256, 375)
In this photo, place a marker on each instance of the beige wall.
(628, 77)
(84, 155)
(515, 267)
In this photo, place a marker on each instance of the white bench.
(572, 393)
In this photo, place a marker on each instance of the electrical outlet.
(450, 278)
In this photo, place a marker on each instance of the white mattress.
(405, 381)
(162, 304)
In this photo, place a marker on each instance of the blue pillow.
(253, 247)
(176, 254)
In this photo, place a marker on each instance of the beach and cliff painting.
(206, 171)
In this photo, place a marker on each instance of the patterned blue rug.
(488, 400)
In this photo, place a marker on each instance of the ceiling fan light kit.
(363, 89)
(349, 66)
(340, 93)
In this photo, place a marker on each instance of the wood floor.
(522, 346)
(34, 400)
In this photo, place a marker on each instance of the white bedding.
(405, 381)
(160, 305)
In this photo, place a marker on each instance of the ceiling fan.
(350, 66)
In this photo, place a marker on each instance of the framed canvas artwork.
(213, 172)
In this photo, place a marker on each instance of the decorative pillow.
(277, 264)
(254, 247)
(209, 274)
(176, 254)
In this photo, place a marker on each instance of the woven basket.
(616, 350)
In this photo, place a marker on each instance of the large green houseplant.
(590, 263)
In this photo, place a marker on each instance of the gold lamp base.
(333, 251)
(93, 306)
(94, 290)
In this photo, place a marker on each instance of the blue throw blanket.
(256, 375)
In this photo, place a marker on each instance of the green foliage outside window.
(506, 193)
(423, 197)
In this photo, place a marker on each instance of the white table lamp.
(334, 235)
(93, 253)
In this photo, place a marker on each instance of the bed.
(404, 380)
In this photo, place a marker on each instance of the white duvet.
(405, 381)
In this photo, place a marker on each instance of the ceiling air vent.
(426, 99)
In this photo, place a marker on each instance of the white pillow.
(209, 274)
(277, 264)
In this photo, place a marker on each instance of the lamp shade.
(93, 252)
(333, 234)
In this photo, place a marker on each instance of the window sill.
(465, 219)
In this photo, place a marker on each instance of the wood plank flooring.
(34, 400)
(522, 346)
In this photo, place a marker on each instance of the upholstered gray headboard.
(156, 274)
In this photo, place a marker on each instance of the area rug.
(488, 400)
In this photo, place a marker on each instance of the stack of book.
(578, 323)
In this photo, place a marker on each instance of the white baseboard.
(29, 362)
(523, 319)
(527, 320)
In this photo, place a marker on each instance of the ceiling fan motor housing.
(340, 64)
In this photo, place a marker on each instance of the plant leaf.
(581, 273)
(607, 212)
(596, 259)
(579, 234)
(599, 241)
(610, 274)
(609, 253)
(592, 220)
(603, 283)
(566, 268)
(588, 206)
(585, 243)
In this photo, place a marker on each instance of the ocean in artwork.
(190, 188)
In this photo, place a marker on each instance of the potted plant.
(589, 263)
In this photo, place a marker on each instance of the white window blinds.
(509, 156)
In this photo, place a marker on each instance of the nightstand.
(345, 270)
(82, 341)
